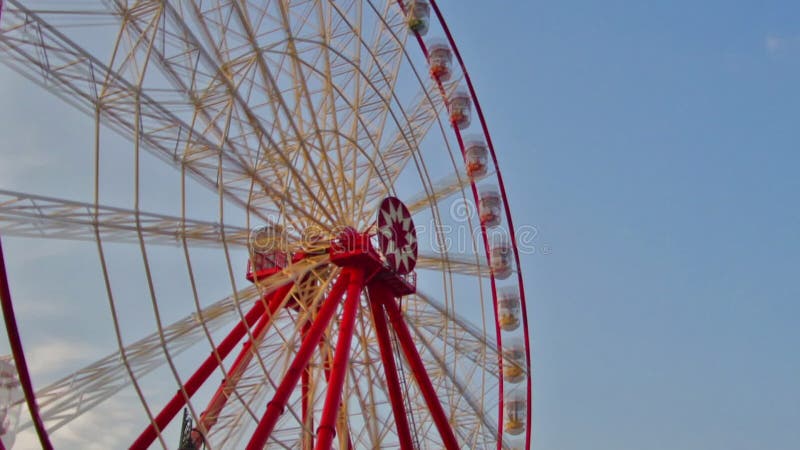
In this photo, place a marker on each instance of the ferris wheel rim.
(493, 288)
(520, 282)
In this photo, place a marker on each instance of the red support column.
(301, 359)
(211, 414)
(16, 349)
(421, 375)
(308, 413)
(327, 369)
(205, 370)
(378, 295)
(341, 360)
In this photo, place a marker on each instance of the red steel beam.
(378, 295)
(15, 342)
(421, 375)
(209, 417)
(308, 413)
(276, 406)
(205, 370)
(341, 360)
(326, 364)
(308, 442)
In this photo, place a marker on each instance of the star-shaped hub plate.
(397, 237)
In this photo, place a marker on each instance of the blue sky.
(655, 146)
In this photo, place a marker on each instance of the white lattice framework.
(303, 114)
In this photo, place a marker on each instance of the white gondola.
(508, 309)
(489, 207)
(460, 109)
(513, 362)
(501, 260)
(440, 60)
(476, 157)
(419, 14)
(516, 407)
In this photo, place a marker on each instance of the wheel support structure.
(278, 403)
(341, 360)
(208, 366)
(420, 374)
(378, 295)
(209, 417)
(362, 269)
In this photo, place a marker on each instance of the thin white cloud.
(775, 44)
(36, 135)
(41, 308)
(108, 426)
(772, 44)
(58, 356)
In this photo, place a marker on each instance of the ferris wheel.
(352, 212)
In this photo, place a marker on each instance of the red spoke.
(379, 295)
(276, 406)
(205, 370)
(308, 413)
(341, 360)
(220, 398)
(421, 375)
(326, 365)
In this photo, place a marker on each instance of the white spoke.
(66, 399)
(441, 190)
(475, 265)
(36, 216)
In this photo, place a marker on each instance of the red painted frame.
(15, 342)
(341, 358)
(378, 295)
(202, 373)
(209, 417)
(420, 373)
(504, 196)
(276, 406)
